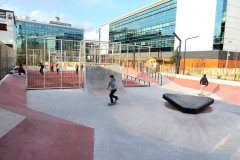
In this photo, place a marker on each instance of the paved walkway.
(28, 134)
(70, 124)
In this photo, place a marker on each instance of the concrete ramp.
(96, 79)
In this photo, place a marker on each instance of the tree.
(173, 58)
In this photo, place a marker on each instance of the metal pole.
(149, 54)
(184, 56)
(26, 62)
(49, 58)
(100, 46)
(185, 52)
(33, 58)
(133, 57)
(112, 54)
(127, 66)
(79, 59)
(84, 52)
(61, 64)
(227, 59)
(159, 50)
(138, 57)
(228, 55)
(178, 53)
(94, 55)
(120, 50)
(43, 62)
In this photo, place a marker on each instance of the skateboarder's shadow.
(169, 106)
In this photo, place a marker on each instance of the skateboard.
(110, 104)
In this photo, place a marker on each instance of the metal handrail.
(137, 79)
(158, 77)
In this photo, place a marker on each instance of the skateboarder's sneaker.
(117, 98)
(112, 103)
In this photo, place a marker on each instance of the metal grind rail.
(138, 80)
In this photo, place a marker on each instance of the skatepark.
(72, 124)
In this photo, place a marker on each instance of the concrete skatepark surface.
(143, 126)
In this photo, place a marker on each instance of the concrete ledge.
(187, 103)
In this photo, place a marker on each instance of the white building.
(8, 28)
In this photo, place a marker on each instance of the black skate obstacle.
(187, 103)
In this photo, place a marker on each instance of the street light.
(178, 53)
(159, 50)
(228, 55)
(184, 57)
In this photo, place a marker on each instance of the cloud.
(90, 31)
(38, 15)
(89, 3)
(91, 35)
(45, 16)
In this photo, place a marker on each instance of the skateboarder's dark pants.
(111, 95)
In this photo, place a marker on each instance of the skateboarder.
(203, 83)
(113, 88)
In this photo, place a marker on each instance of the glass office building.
(220, 24)
(152, 27)
(214, 23)
(52, 30)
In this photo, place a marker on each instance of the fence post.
(61, 64)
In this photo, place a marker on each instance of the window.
(3, 15)
(3, 27)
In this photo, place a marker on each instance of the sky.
(86, 14)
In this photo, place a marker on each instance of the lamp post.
(159, 50)
(228, 55)
(178, 53)
(184, 57)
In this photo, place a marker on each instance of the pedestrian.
(76, 67)
(20, 70)
(203, 83)
(51, 67)
(81, 67)
(41, 68)
(113, 88)
(57, 68)
(13, 66)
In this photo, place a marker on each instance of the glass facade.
(220, 24)
(152, 27)
(41, 30)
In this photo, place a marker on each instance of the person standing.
(113, 88)
(57, 68)
(41, 68)
(76, 67)
(203, 83)
(51, 66)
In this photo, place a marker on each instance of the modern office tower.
(201, 25)
(54, 30)
(7, 28)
